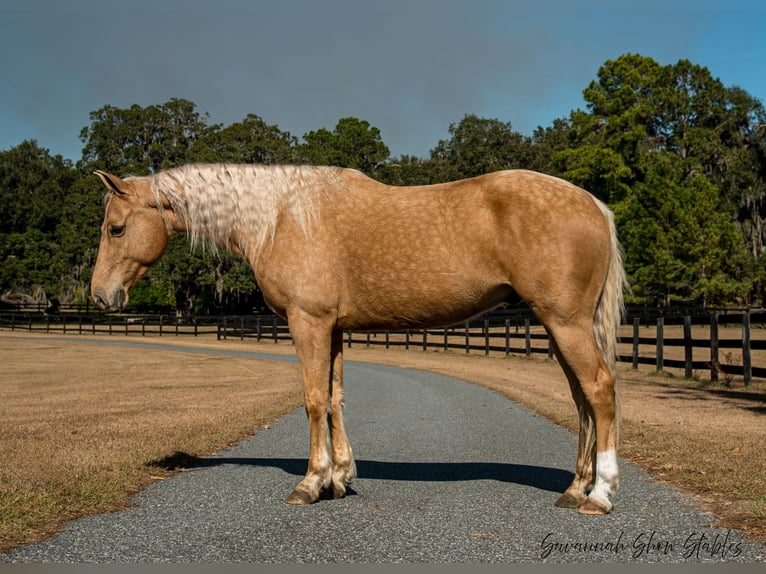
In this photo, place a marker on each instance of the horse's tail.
(611, 306)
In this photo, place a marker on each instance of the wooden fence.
(725, 343)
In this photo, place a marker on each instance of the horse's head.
(134, 236)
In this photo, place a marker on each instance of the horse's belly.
(419, 304)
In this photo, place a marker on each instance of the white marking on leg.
(607, 477)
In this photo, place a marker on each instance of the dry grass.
(84, 423)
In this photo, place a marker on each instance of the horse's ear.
(112, 182)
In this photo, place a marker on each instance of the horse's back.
(459, 248)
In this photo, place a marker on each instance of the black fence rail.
(723, 356)
(82, 324)
(644, 338)
(690, 340)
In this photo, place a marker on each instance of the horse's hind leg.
(576, 494)
(586, 368)
(344, 468)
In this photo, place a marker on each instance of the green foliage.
(250, 141)
(680, 157)
(479, 145)
(33, 189)
(140, 140)
(678, 245)
(353, 143)
(597, 168)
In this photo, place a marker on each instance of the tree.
(641, 115)
(679, 245)
(480, 145)
(140, 140)
(353, 143)
(609, 141)
(410, 170)
(33, 185)
(77, 237)
(33, 190)
(546, 142)
(250, 141)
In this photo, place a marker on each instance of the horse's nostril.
(100, 301)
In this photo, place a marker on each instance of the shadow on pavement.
(544, 478)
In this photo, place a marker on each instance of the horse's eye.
(116, 230)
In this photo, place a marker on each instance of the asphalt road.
(448, 472)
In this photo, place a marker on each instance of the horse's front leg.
(344, 468)
(312, 339)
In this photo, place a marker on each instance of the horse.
(335, 250)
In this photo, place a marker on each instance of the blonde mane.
(239, 205)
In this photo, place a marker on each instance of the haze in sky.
(408, 67)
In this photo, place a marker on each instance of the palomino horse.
(334, 250)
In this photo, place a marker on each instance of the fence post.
(747, 366)
(714, 365)
(527, 339)
(425, 340)
(636, 340)
(486, 337)
(446, 339)
(507, 337)
(660, 342)
(467, 338)
(688, 371)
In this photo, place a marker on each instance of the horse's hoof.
(593, 507)
(338, 492)
(300, 498)
(568, 500)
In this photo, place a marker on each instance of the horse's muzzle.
(103, 302)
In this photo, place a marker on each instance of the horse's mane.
(223, 202)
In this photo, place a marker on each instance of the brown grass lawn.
(82, 424)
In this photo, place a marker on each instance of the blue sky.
(409, 67)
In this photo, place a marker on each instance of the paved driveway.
(448, 472)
